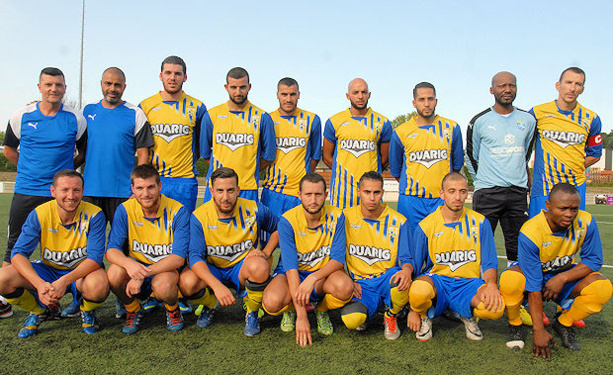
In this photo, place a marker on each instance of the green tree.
(402, 119)
(607, 139)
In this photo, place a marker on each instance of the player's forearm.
(83, 269)
(328, 153)
(116, 257)
(11, 154)
(293, 281)
(408, 267)
(535, 300)
(590, 160)
(168, 264)
(142, 155)
(576, 273)
(79, 160)
(327, 269)
(25, 269)
(272, 244)
(314, 164)
(201, 269)
(491, 276)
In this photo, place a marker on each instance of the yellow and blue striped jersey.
(461, 249)
(298, 140)
(224, 243)
(309, 249)
(63, 247)
(376, 245)
(176, 130)
(563, 140)
(151, 239)
(358, 141)
(237, 140)
(542, 251)
(420, 156)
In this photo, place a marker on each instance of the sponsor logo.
(438, 234)
(507, 150)
(557, 263)
(345, 123)
(357, 147)
(222, 116)
(168, 132)
(66, 259)
(509, 139)
(545, 244)
(277, 123)
(428, 158)
(287, 144)
(370, 254)
(93, 117)
(302, 234)
(550, 115)
(138, 224)
(155, 109)
(412, 135)
(313, 257)
(229, 252)
(212, 227)
(491, 127)
(355, 226)
(33, 124)
(456, 258)
(53, 230)
(154, 253)
(234, 141)
(563, 139)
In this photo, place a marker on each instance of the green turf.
(62, 348)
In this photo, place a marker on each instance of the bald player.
(356, 141)
(547, 270)
(498, 148)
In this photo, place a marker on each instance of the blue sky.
(455, 45)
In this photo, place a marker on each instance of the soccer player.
(157, 230)
(548, 244)
(356, 141)
(225, 251)
(40, 140)
(312, 241)
(71, 238)
(567, 140)
(422, 151)
(498, 147)
(116, 130)
(298, 136)
(378, 258)
(457, 246)
(238, 135)
(175, 119)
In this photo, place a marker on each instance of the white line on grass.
(604, 265)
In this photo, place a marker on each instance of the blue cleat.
(151, 304)
(88, 322)
(121, 310)
(30, 325)
(174, 320)
(252, 324)
(132, 321)
(185, 307)
(72, 311)
(206, 317)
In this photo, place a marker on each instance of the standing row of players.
(238, 134)
(448, 262)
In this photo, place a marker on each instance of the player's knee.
(96, 286)
(598, 291)
(420, 294)
(272, 303)
(258, 269)
(343, 287)
(512, 285)
(354, 314)
(116, 275)
(165, 284)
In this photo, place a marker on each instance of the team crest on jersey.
(474, 232)
(229, 252)
(392, 232)
(302, 123)
(521, 125)
(370, 254)
(456, 258)
(67, 259)
(84, 227)
(190, 111)
(579, 234)
(249, 221)
(557, 263)
(357, 147)
(153, 252)
(428, 158)
(169, 132)
(313, 257)
(446, 134)
(287, 144)
(234, 141)
(563, 139)
(585, 121)
(255, 120)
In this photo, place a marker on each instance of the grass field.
(60, 347)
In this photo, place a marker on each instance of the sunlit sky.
(393, 45)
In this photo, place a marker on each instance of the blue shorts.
(415, 209)
(252, 195)
(538, 203)
(50, 274)
(303, 275)
(567, 289)
(279, 203)
(454, 294)
(376, 291)
(183, 190)
(229, 277)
